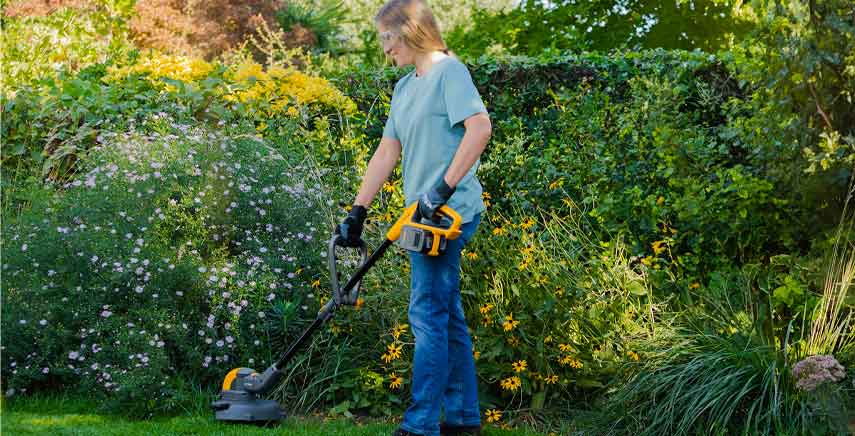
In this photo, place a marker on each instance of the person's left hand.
(431, 201)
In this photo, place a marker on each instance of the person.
(440, 125)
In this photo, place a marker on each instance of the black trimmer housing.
(237, 403)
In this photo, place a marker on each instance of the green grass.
(71, 416)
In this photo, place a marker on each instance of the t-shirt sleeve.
(389, 129)
(461, 96)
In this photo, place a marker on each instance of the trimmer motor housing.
(420, 240)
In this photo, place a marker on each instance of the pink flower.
(816, 370)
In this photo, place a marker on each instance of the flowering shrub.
(279, 91)
(262, 94)
(119, 92)
(554, 308)
(816, 370)
(156, 66)
(159, 265)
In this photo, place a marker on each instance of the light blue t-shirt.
(426, 116)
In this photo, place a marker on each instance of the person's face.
(394, 47)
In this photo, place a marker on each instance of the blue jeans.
(443, 365)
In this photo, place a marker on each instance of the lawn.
(72, 416)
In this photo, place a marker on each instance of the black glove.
(431, 201)
(350, 229)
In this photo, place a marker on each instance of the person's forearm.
(379, 168)
(471, 146)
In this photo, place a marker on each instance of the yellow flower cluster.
(511, 383)
(551, 379)
(395, 381)
(486, 320)
(398, 329)
(528, 223)
(510, 323)
(158, 65)
(493, 415)
(393, 352)
(528, 258)
(486, 197)
(633, 355)
(570, 361)
(658, 247)
(283, 90)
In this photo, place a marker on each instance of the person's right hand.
(350, 230)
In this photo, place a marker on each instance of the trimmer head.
(235, 403)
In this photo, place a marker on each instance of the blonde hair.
(415, 22)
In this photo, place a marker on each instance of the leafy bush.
(653, 145)
(72, 112)
(802, 57)
(532, 26)
(37, 47)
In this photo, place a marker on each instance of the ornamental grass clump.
(164, 263)
(716, 372)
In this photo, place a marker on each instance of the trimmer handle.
(353, 295)
(411, 218)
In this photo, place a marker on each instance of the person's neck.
(424, 62)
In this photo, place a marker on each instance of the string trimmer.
(239, 400)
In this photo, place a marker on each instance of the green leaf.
(589, 383)
(636, 288)
(537, 400)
